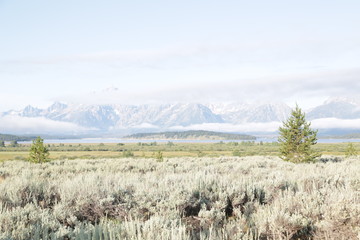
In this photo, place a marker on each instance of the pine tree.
(296, 138)
(13, 143)
(38, 152)
(350, 150)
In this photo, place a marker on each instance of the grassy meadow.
(168, 150)
(194, 191)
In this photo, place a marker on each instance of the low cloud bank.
(329, 123)
(322, 123)
(146, 126)
(228, 127)
(27, 125)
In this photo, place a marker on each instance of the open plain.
(226, 197)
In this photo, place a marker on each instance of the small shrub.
(200, 154)
(19, 158)
(127, 154)
(329, 159)
(236, 153)
(159, 156)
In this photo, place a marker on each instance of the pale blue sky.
(303, 51)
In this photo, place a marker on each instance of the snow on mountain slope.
(341, 108)
(117, 117)
(165, 115)
(242, 113)
(109, 116)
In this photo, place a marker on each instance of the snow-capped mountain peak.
(117, 117)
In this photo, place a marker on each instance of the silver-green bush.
(180, 198)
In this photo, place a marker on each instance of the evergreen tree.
(38, 152)
(296, 138)
(350, 150)
(2, 144)
(13, 143)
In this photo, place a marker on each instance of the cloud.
(275, 56)
(270, 127)
(227, 127)
(310, 88)
(165, 57)
(286, 71)
(328, 123)
(28, 125)
(146, 126)
(21, 100)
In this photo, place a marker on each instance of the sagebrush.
(180, 198)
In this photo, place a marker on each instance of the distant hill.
(200, 134)
(344, 136)
(8, 137)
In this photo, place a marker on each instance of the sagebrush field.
(254, 197)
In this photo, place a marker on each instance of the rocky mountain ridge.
(118, 117)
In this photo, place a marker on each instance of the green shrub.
(159, 156)
(127, 154)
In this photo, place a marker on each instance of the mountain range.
(118, 119)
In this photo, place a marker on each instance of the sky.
(173, 51)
